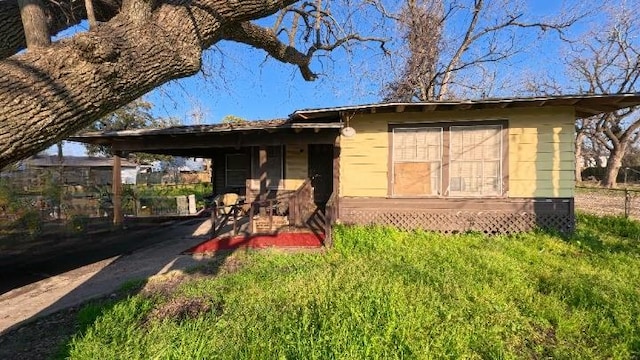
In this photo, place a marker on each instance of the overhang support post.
(116, 186)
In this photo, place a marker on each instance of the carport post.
(117, 190)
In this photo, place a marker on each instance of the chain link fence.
(614, 202)
(29, 212)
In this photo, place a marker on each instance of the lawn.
(383, 294)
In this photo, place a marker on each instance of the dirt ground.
(35, 289)
(608, 202)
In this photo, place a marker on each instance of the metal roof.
(585, 105)
(249, 126)
(197, 139)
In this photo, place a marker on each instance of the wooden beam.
(190, 143)
(116, 186)
(400, 108)
(262, 172)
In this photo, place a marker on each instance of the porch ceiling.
(202, 140)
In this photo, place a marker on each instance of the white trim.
(500, 160)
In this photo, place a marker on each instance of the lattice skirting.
(487, 222)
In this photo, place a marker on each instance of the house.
(75, 170)
(490, 165)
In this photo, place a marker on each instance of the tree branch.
(265, 39)
(62, 14)
(48, 94)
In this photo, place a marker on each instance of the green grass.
(384, 294)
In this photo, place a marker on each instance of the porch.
(294, 212)
(267, 177)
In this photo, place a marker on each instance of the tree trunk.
(91, 15)
(614, 163)
(35, 23)
(50, 94)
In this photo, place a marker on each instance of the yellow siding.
(541, 150)
(363, 160)
(296, 166)
(541, 153)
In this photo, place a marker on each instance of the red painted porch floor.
(280, 240)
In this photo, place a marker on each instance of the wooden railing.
(300, 202)
(219, 220)
(330, 217)
(297, 206)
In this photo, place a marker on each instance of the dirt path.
(105, 276)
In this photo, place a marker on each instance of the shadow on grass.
(606, 234)
(85, 316)
(51, 330)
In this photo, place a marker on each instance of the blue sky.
(253, 86)
(241, 81)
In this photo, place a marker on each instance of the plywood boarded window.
(475, 160)
(417, 161)
(236, 170)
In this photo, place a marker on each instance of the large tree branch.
(48, 94)
(62, 14)
(464, 45)
(267, 40)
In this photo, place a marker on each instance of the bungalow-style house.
(491, 165)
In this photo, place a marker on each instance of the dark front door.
(321, 171)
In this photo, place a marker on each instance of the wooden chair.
(227, 203)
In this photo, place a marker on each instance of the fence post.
(117, 191)
(627, 203)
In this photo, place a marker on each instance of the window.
(417, 161)
(450, 160)
(475, 160)
(235, 170)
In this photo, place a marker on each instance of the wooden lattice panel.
(460, 221)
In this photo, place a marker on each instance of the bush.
(31, 222)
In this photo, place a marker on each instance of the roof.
(74, 161)
(585, 105)
(321, 125)
(198, 140)
(247, 126)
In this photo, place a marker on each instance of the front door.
(321, 171)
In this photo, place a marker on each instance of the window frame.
(393, 161)
(445, 178)
(226, 170)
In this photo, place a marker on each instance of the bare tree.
(607, 61)
(134, 46)
(454, 46)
